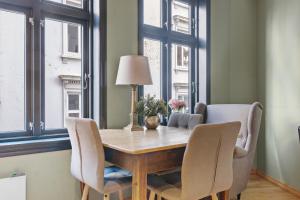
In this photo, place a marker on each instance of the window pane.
(152, 49)
(74, 102)
(12, 71)
(152, 12)
(62, 76)
(73, 38)
(181, 17)
(180, 73)
(74, 3)
(74, 115)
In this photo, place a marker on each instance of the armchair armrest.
(239, 152)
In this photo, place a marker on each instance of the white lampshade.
(134, 70)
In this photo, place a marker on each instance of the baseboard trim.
(276, 182)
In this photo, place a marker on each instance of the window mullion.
(37, 71)
(29, 75)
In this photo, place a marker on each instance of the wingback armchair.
(250, 117)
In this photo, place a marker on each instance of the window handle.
(31, 21)
(86, 81)
(193, 87)
(31, 126)
(42, 125)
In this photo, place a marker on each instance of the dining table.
(145, 152)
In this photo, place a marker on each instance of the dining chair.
(206, 168)
(87, 161)
(250, 116)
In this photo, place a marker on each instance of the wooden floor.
(260, 189)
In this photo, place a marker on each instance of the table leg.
(139, 178)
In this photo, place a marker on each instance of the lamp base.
(134, 126)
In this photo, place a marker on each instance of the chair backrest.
(185, 120)
(87, 164)
(207, 162)
(247, 114)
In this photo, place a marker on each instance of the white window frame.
(66, 52)
(71, 84)
(77, 3)
(67, 111)
(181, 67)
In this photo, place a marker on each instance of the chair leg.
(106, 197)
(120, 193)
(159, 197)
(239, 196)
(85, 192)
(214, 197)
(224, 195)
(152, 195)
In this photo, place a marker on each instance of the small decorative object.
(177, 105)
(134, 70)
(151, 109)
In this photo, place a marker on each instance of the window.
(181, 57)
(12, 64)
(169, 39)
(39, 87)
(71, 41)
(72, 3)
(72, 36)
(152, 49)
(71, 86)
(181, 17)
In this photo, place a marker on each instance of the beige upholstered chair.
(206, 168)
(87, 164)
(250, 117)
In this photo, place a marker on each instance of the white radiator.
(13, 188)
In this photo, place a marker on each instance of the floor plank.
(260, 189)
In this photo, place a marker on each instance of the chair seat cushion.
(113, 172)
(116, 179)
(239, 152)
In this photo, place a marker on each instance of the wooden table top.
(147, 141)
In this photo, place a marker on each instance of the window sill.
(16, 148)
(183, 69)
(71, 56)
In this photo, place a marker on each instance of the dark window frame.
(92, 19)
(167, 37)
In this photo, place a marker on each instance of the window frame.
(66, 53)
(196, 41)
(167, 37)
(28, 115)
(92, 20)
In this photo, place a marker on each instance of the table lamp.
(134, 70)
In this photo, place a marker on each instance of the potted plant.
(151, 109)
(177, 105)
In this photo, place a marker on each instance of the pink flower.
(176, 104)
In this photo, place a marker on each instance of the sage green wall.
(122, 40)
(278, 88)
(233, 51)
